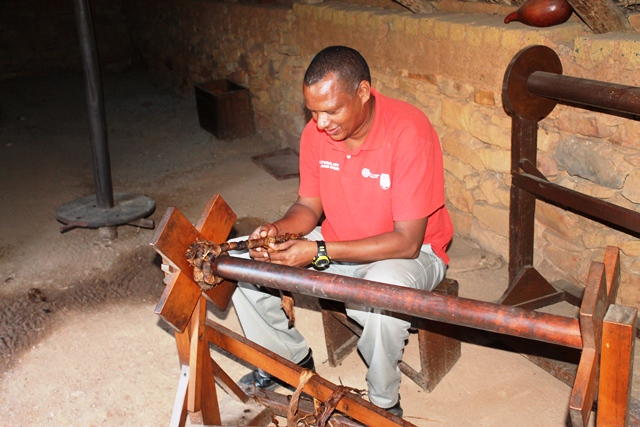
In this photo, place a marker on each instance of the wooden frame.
(533, 85)
(196, 395)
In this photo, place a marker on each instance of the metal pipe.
(594, 93)
(95, 106)
(459, 311)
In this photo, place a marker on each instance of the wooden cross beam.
(173, 237)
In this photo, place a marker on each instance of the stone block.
(587, 187)
(489, 240)
(631, 189)
(547, 165)
(601, 238)
(495, 217)
(567, 261)
(454, 166)
(593, 160)
(457, 194)
(558, 219)
(456, 113)
(463, 146)
(484, 97)
(495, 159)
(482, 126)
(489, 184)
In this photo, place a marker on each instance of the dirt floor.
(80, 343)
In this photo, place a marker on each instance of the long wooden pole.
(459, 311)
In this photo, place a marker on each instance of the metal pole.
(459, 311)
(95, 105)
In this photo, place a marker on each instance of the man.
(373, 166)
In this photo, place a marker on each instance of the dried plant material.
(287, 307)
(330, 405)
(292, 419)
(203, 252)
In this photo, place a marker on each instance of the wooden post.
(616, 366)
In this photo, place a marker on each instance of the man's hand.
(265, 230)
(294, 253)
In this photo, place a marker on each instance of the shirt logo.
(385, 179)
(324, 164)
(367, 173)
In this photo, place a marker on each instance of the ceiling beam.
(601, 16)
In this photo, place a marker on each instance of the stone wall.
(449, 64)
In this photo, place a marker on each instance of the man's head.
(345, 63)
(337, 91)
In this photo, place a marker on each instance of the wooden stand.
(533, 85)
(197, 396)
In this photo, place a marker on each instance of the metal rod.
(594, 93)
(95, 106)
(459, 311)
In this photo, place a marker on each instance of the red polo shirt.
(395, 175)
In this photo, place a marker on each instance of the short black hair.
(346, 63)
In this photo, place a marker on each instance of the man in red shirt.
(373, 166)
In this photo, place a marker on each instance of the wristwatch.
(322, 260)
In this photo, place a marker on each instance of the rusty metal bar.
(487, 316)
(594, 93)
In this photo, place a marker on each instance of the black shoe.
(265, 381)
(396, 409)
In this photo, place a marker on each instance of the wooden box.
(224, 109)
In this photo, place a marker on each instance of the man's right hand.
(265, 230)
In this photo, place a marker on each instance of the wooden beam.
(601, 16)
(616, 366)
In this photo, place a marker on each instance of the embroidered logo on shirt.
(367, 173)
(324, 164)
(385, 179)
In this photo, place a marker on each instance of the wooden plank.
(179, 412)
(173, 237)
(522, 209)
(215, 224)
(202, 399)
(216, 220)
(598, 210)
(592, 311)
(318, 387)
(616, 366)
(584, 389)
(225, 381)
(601, 16)
(177, 301)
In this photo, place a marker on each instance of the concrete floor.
(93, 352)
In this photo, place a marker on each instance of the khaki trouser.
(383, 337)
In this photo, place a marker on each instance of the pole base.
(85, 212)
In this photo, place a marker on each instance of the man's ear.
(364, 91)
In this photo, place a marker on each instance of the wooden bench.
(439, 343)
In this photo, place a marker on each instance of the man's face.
(338, 110)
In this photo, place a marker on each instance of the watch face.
(321, 263)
